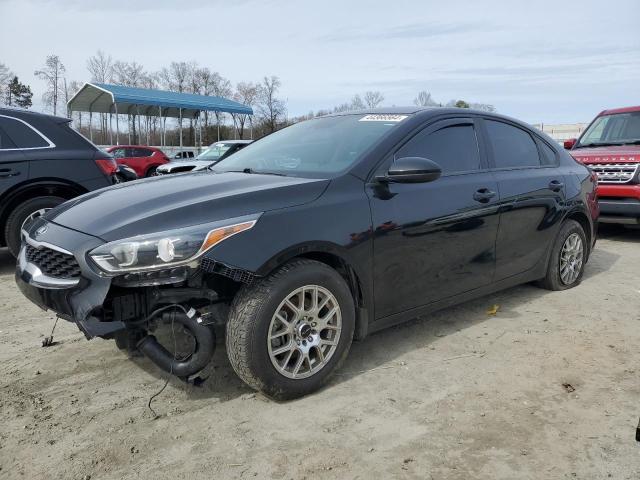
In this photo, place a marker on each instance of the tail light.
(106, 163)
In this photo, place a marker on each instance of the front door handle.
(483, 195)
(556, 185)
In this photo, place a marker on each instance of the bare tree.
(5, 77)
(357, 103)
(100, 67)
(246, 93)
(70, 89)
(52, 73)
(270, 107)
(424, 99)
(206, 80)
(176, 78)
(150, 80)
(129, 74)
(373, 98)
(221, 87)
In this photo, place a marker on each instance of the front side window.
(454, 148)
(318, 148)
(615, 129)
(21, 134)
(512, 146)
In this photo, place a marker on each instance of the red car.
(144, 160)
(610, 146)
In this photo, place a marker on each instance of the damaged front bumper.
(55, 279)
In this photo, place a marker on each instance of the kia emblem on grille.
(41, 230)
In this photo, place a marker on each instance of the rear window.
(142, 152)
(22, 134)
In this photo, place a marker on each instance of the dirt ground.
(548, 387)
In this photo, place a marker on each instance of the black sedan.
(314, 236)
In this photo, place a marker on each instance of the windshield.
(319, 148)
(214, 152)
(616, 129)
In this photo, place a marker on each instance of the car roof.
(27, 114)
(612, 111)
(426, 112)
(384, 111)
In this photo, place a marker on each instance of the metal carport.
(118, 99)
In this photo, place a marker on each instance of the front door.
(435, 240)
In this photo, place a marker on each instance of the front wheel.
(287, 333)
(568, 258)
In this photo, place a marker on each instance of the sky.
(558, 61)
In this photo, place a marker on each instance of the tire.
(553, 279)
(151, 172)
(252, 317)
(20, 214)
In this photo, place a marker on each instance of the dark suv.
(43, 162)
(313, 236)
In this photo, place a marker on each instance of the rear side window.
(21, 134)
(5, 141)
(142, 152)
(547, 154)
(512, 146)
(454, 148)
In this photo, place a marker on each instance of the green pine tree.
(19, 94)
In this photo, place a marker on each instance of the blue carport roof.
(105, 98)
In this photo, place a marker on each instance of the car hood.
(177, 201)
(611, 154)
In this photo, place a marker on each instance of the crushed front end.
(56, 270)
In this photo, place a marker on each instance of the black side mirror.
(413, 170)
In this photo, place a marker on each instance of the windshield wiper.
(255, 172)
(599, 144)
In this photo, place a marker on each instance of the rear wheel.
(24, 214)
(289, 332)
(568, 258)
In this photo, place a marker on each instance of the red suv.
(610, 146)
(144, 160)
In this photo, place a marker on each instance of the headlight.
(166, 249)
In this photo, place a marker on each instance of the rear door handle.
(483, 195)
(556, 185)
(6, 172)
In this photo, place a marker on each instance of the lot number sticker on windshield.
(383, 118)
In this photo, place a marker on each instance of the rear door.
(532, 193)
(435, 240)
(16, 135)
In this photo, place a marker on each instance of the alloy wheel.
(304, 332)
(571, 258)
